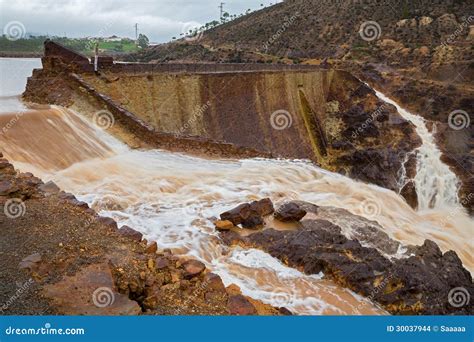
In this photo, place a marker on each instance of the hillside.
(403, 32)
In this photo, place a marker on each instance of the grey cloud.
(159, 19)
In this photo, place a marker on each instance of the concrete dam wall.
(269, 111)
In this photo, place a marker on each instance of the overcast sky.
(158, 19)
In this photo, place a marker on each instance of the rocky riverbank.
(59, 257)
(420, 281)
(446, 106)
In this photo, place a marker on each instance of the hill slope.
(397, 31)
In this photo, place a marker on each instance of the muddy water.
(172, 198)
(30, 136)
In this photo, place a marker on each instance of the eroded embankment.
(59, 257)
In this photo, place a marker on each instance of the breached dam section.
(241, 110)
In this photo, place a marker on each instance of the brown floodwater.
(172, 198)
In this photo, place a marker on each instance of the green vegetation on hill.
(34, 45)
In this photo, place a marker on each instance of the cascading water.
(436, 185)
(171, 198)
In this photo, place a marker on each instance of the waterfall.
(436, 185)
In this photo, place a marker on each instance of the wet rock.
(130, 233)
(214, 282)
(193, 268)
(223, 225)
(409, 193)
(239, 305)
(80, 204)
(253, 221)
(319, 246)
(6, 168)
(419, 284)
(151, 248)
(66, 196)
(368, 232)
(237, 214)
(249, 215)
(285, 312)
(7, 187)
(375, 166)
(290, 212)
(110, 222)
(49, 188)
(90, 291)
(263, 207)
(162, 263)
(30, 262)
(423, 284)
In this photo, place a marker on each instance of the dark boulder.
(249, 215)
(408, 192)
(239, 305)
(263, 207)
(130, 233)
(237, 214)
(290, 212)
(254, 220)
(193, 268)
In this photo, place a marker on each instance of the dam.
(284, 111)
(166, 148)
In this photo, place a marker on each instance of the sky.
(160, 20)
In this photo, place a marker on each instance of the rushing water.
(436, 185)
(171, 198)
